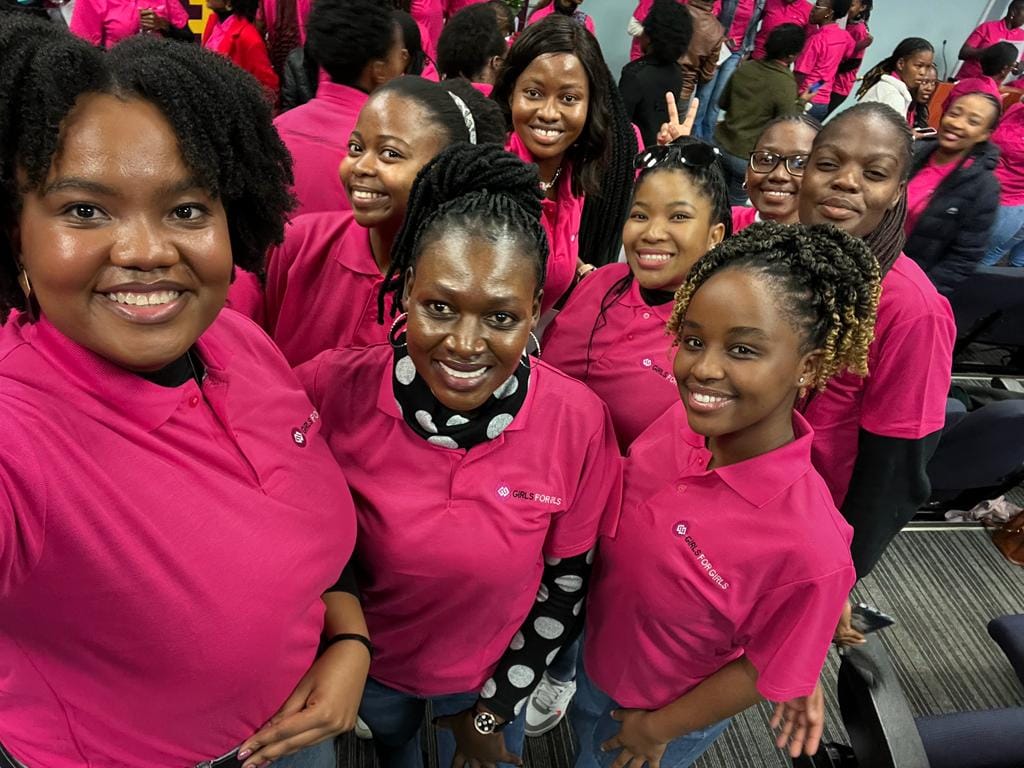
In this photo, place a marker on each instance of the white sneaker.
(363, 730)
(548, 704)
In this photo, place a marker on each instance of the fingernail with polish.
(244, 754)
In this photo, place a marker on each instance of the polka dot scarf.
(446, 428)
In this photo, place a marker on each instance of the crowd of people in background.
(362, 356)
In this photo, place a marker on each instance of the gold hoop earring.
(26, 287)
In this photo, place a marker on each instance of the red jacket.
(237, 38)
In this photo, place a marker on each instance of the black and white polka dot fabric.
(552, 623)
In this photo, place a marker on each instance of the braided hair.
(481, 190)
(602, 157)
(827, 284)
(218, 113)
(710, 181)
(907, 48)
(886, 241)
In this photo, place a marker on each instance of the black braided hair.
(346, 35)
(481, 190)
(907, 47)
(826, 282)
(436, 100)
(602, 157)
(711, 183)
(218, 113)
(886, 241)
(470, 39)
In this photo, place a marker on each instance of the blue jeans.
(818, 111)
(709, 94)
(395, 719)
(320, 755)
(1007, 238)
(591, 720)
(736, 176)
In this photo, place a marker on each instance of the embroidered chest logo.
(682, 530)
(506, 491)
(653, 366)
(299, 434)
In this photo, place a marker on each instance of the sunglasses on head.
(697, 155)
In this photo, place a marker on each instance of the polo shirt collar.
(344, 96)
(633, 298)
(353, 249)
(763, 478)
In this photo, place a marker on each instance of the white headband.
(467, 117)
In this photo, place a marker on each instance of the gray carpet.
(942, 584)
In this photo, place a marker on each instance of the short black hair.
(469, 40)
(245, 8)
(602, 158)
(346, 35)
(784, 41)
(841, 9)
(997, 58)
(669, 29)
(479, 189)
(436, 99)
(218, 112)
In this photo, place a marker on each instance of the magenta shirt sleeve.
(789, 632)
(905, 391)
(175, 13)
(595, 508)
(87, 20)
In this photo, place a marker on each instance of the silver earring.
(395, 328)
(536, 343)
(801, 379)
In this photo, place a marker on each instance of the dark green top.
(759, 91)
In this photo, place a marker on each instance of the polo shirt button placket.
(647, 315)
(680, 488)
(193, 401)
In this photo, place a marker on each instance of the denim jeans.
(322, 755)
(735, 168)
(395, 719)
(818, 111)
(563, 667)
(1007, 238)
(592, 723)
(709, 93)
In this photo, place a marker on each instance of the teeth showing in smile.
(152, 299)
(777, 194)
(655, 256)
(363, 195)
(547, 133)
(703, 399)
(476, 373)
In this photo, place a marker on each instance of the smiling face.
(854, 175)
(915, 68)
(669, 228)
(549, 104)
(393, 139)
(739, 365)
(472, 304)
(776, 194)
(967, 122)
(126, 254)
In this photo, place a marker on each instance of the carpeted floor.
(942, 584)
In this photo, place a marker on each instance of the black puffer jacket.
(951, 236)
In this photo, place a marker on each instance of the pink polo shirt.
(561, 219)
(630, 354)
(429, 16)
(825, 49)
(846, 80)
(904, 394)
(743, 216)
(316, 134)
(642, 9)
(267, 12)
(707, 566)
(989, 33)
(536, 16)
(322, 285)
(740, 21)
(163, 550)
(922, 186)
(246, 295)
(105, 22)
(778, 12)
(452, 543)
(1009, 137)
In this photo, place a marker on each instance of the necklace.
(547, 186)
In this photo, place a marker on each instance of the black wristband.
(349, 636)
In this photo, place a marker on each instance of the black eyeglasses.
(762, 161)
(697, 155)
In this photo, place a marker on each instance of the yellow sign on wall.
(198, 14)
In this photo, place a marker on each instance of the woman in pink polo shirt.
(892, 80)
(857, 28)
(611, 333)
(105, 22)
(482, 475)
(775, 170)
(324, 279)
(1008, 232)
(567, 8)
(161, 468)
(731, 564)
(874, 435)
(564, 113)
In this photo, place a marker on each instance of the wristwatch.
(487, 723)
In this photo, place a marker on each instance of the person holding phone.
(826, 48)
(759, 92)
